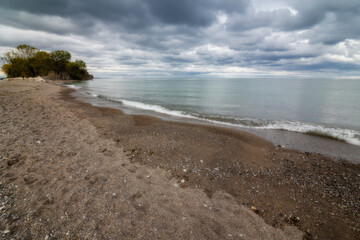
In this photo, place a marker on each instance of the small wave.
(157, 108)
(72, 86)
(324, 135)
(347, 135)
(149, 107)
(342, 134)
(92, 94)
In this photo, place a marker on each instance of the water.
(325, 107)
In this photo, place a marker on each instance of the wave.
(158, 109)
(342, 134)
(72, 86)
(348, 135)
(149, 107)
(92, 94)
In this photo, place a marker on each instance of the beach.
(70, 170)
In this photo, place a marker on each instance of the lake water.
(327, 107)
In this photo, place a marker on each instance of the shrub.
(28, 61)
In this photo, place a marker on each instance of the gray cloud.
(194, 13)
(192, 36)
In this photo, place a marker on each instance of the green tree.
(60, 55)
(20, 68)
(61, 59)
(41, 64)
(28, 61)
(77, 70)
(81, 64)
(6, 68)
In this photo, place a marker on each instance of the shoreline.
(336, 149)
(290, 169)
(69, 160)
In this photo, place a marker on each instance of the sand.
(73, 171)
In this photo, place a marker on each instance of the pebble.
(176, 185)
(6, 231)
(184, 170)
(182, 180)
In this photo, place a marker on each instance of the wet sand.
(71, 170)
(335, 149)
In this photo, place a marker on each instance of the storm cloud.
(192, 37)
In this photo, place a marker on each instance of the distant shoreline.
(42, 79)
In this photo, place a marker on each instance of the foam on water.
(156, 108)
(347, 135)
(73, 86)
(93, 94)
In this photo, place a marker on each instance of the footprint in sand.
(30, 179)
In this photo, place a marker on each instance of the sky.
(192, 38)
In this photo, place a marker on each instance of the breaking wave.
(348, 135)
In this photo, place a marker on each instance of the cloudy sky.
(192, 38)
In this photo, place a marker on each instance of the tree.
(8, 56)
(28, 61)
(19, 67)
(61, 59)
(26, 51)
(6, 68)
(60, 55)
(22, 51)
(41, 63)
(81, 64)
(74, 71)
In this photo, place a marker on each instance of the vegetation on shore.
(27, 61)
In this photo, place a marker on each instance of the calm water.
(328, 107)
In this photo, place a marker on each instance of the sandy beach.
(69, 170)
